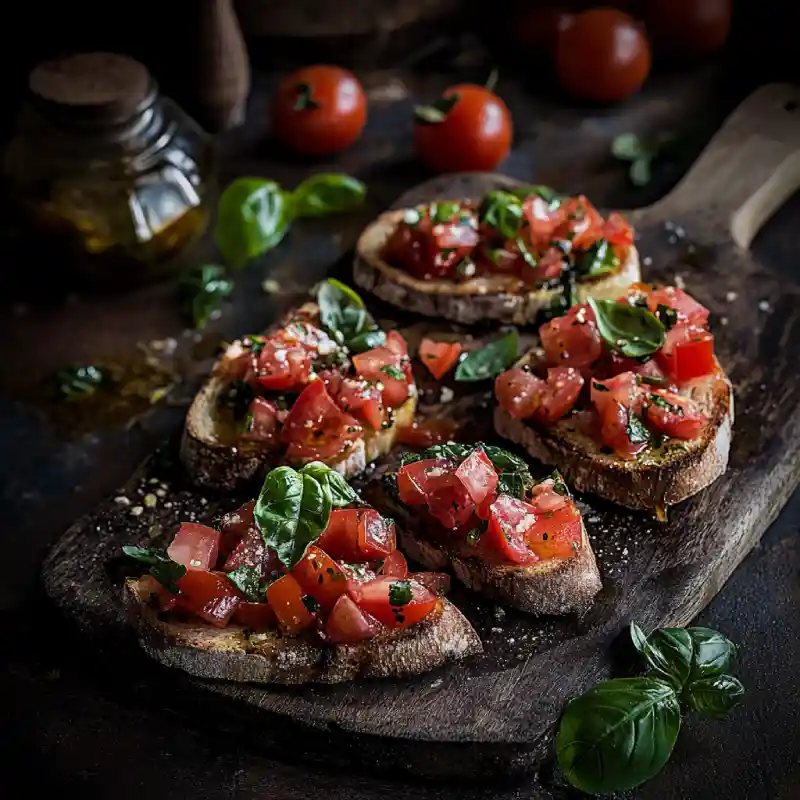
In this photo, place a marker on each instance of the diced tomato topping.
(264, 421)
(688, 353)
(396, 603)
(557, 531)
(362, 398)
(617, 364)
(478, 475)
(542, 220)
(256, 616)
(348, 624)
(283, 367)
(321, 577)
(209, 595)
(423, 433)
(250, 552)
(316, 427)
(233, 527)
(394, 565)
(385, 365)
(286, 597)
(195, 546)
(618, 402)
(573, 339)
(397, 344)
(526, 396)
(617, 230)
(437, 582)
(415, 481)
(449, 502)
(686, 307)
(673, 415)
(333, 379)
(358, 534)
(439, 357)
(151, 589)
(509, 522)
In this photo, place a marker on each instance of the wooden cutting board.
(492, 715)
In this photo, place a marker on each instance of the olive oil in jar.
(111, 180)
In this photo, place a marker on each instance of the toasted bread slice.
(234, 654)
(655, 479)
(216, 457)
(470, 301)
(552, 586)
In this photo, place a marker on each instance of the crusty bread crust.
(469, 301)
(214, 456)
(234, 654)
(654, 480)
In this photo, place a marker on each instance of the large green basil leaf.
(712, 654)
(253, 216)
(618, 735)
(491, 360)
(633, 331)
(667, 653)
(714, 696)
(327, 193)
(292, 511)
(502, 212)
(166, 571)
(342, 494)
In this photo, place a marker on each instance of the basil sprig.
(166, 571)
(622, 732)
(294, 507)
(514, 477)
(204, 287)
(631, 330)
(489, 361)
(344, 317)
(79, 381)
(599, 259)
(254, 214)
(502, 212)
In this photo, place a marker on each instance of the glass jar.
(112, 179)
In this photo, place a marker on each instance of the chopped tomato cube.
(687, 308)
(209, 595)
(286, 597)
(233, 527)
(282, 366)
(394, 565)
(439, 357)
(573, 339)
(674, 415)
(396, 603)
(688, 353)
(256, 616)
(321, 577)
(526, 396)
(450, 503)
(387, 365)
(618, 401)
(195, 546)
(509, 522)
(427, 432)
(316, 427)
(617, 230)
(264, 421)
(250, 552)
(364, 399)
(557, 531)
(478, 475)
(358, 534)
(348, 624)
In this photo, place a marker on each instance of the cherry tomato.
(687, 28)
(474, 135)
(195, 546)
(603, 56)
(319, 110)
(439, 357)
(427, 432)
(674, 415)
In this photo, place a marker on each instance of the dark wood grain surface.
(492, 716)
(101, 731)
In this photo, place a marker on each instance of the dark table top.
(77, 736)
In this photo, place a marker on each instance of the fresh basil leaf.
(340, 491)
(547, 194)
(668, 654)
(166, 571)
(634, 332)
(628, 147)
(248, 581)
(342, 311)
(366, 341)
(327, 193)
(393, 372)
(292, 511)
(502, 211)
(668, 316)
(443, 212)
(78, 382)
(640, 171)
(253, 216)
(618, 735)
(559, 484)
(489, 361)
(449, 450)
(635, 429)
(599, 259)
(712, 653)
(400, 593)
(204, 288)
(714, 696)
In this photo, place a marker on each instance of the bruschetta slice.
(303, 585)
(324, 385)
(626, 398)
(475, 510)
(513, 256)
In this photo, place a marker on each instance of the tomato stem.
(436, 112)
(304, 101)
(491, 81)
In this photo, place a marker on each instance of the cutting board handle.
(748, 170)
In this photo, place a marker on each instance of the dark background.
(72, 731)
